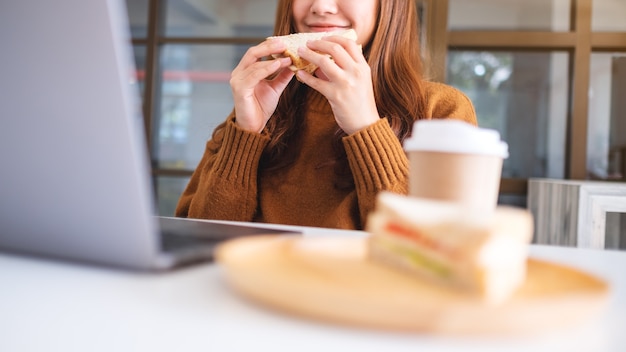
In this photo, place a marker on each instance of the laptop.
(74, 172)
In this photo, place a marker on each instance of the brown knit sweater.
(228, 185)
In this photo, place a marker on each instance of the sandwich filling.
(416, 258)
(418, 237)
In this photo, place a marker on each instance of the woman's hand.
(255, 96)
(345, 80)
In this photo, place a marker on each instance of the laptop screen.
(74, 180)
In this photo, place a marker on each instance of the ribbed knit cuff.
(376, 157)
(239, 155)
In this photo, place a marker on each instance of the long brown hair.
(393, 54)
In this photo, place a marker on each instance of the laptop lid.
(74, 180)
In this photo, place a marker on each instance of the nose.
(323, 7)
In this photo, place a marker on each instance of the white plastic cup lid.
(455, 136)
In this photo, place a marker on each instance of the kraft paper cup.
(455, 161)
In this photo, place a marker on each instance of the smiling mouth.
(326, 28)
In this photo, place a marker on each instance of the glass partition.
(608, 15)
(215, 18)
(168, 191)
(139, 52)
(606, 138)
(523, 95)
(138, 18)
(195, 98)
(519, 15)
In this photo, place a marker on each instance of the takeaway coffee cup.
(455, 161)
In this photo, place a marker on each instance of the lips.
(323, 27)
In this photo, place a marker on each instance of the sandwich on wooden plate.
(447, 244)
(296, 40)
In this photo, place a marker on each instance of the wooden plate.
(330, 279)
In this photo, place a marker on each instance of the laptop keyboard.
(171, 242)
(188, 234)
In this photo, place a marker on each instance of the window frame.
(580, 42)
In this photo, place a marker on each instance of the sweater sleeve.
(378, 163)
(224, 185)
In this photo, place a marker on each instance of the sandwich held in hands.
(297, 40)
(443, 242)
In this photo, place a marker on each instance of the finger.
(258, 52)
(281, 81)
(321, 75)
(253, 74)
(322, 60)
(313, 82)
(257, 72)
(343, 50)
(354, 49)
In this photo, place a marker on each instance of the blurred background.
(549, 75)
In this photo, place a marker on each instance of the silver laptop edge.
(74, 181)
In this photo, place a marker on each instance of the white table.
(50, 305)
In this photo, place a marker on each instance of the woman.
(315, 151)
